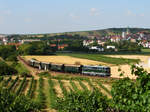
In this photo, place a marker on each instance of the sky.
(54, 16)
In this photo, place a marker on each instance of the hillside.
(103, 32)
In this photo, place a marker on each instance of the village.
(92, 42)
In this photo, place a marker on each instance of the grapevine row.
(41, 96)
(62, 87)
(21, 86)
(29, 93)
(73, 85)
(13, 83)
(102, 86)
(82, 85)
(52, 93)
(7, 81)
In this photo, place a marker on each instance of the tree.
(6, 69)
(35, 48)
(8, 52)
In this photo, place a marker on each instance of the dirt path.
(32, 70)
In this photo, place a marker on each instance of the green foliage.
(44, 74)
(35, 48)
(76, 45)
(83, 86)
(52, 93)
(74, 86)
(83, 102)
(124, 46)
(29, 93)
(10, 102)
(18, 92)
(8, 52)
(1, 78)
(132, 96)
(6, 69)
(146, 50)
(13, 83)
(91, 84)
(41, 96)
(62, 87)
(22, 70)
(5, 83)
(102, 86)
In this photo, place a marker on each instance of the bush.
(132, 96)
(83, 102)
(6, 69)
(10, 102)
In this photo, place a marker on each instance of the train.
(103, 71)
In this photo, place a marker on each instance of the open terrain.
(113, 61)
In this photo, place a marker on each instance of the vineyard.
(46, 89)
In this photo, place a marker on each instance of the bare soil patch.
(126, 68)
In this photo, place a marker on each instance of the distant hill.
(103, 32)
(97, 33)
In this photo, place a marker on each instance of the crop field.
(103, 58)
(65, 60)
(46, 89)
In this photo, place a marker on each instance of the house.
(61, 47)
(29, 40)
(115, 39)
(96, 48)
(52, 45)
(110, 47)
(87, 42)
(132, 40)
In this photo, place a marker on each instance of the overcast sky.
(50, 16)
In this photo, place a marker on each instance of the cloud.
(73, 16)
(94, 12)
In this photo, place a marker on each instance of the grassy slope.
(21, 68)
(102, 58)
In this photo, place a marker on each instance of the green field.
(146, 50)
(102, 58)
